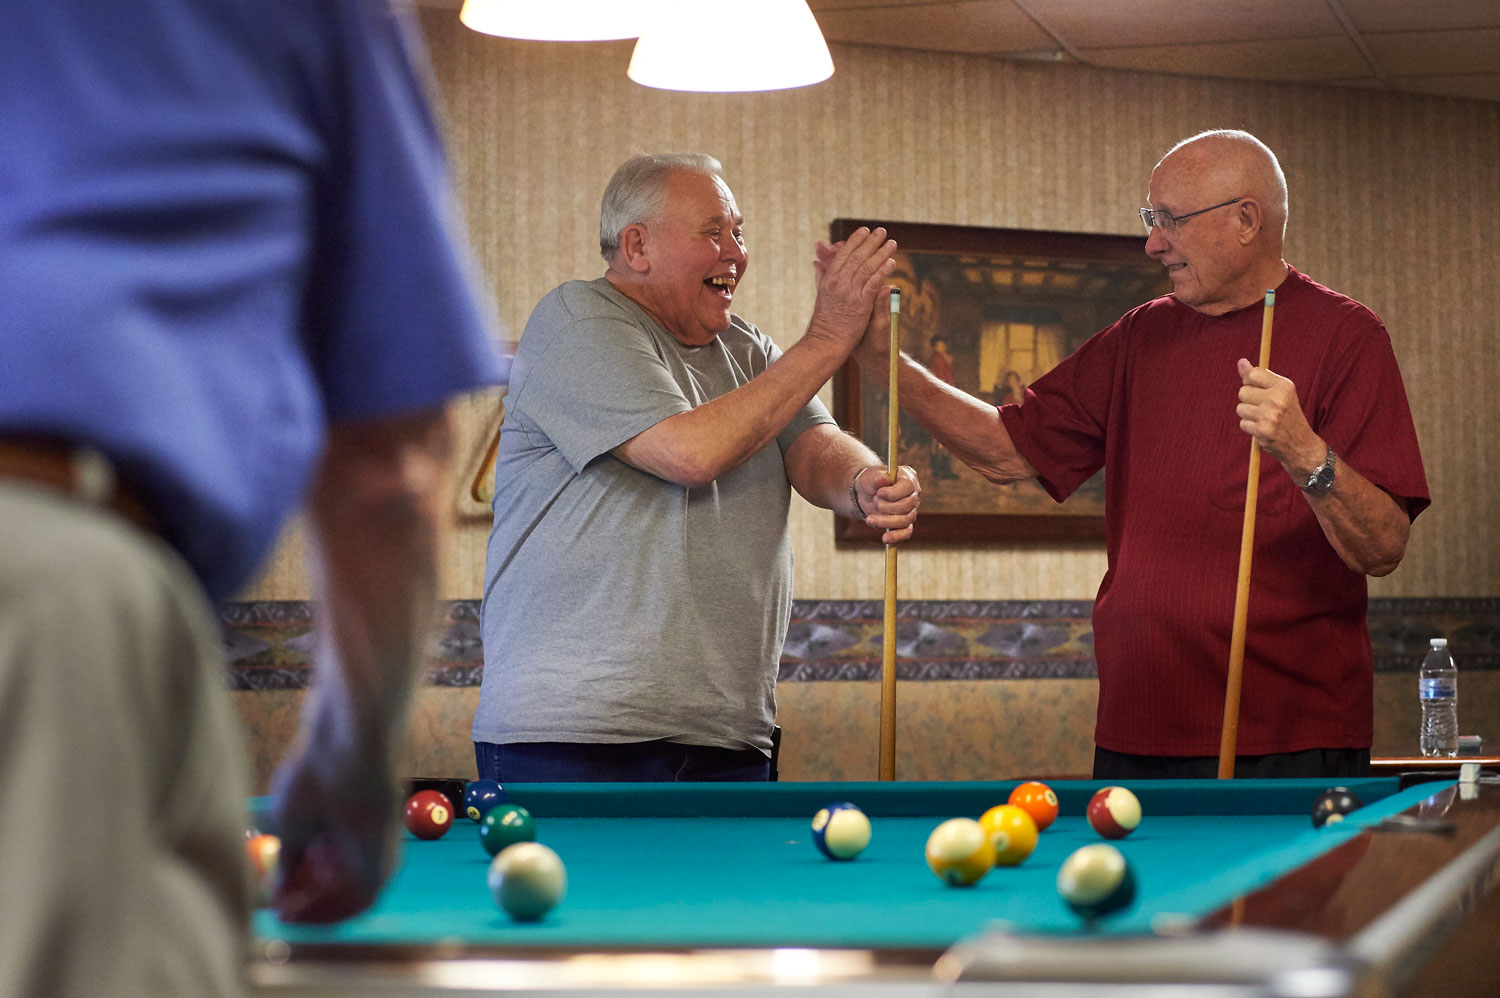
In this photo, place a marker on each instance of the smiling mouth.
(723, 285)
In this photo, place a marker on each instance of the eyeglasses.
(1154, 217)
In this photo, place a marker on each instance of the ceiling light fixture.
(764, 45)
(558, 20)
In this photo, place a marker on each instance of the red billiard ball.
(1114, 812)
(1037, 800)
(429, 814)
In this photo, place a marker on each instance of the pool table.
(717, 887)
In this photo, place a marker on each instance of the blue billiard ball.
(480, 796)
(840, 831)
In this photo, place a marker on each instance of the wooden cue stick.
(1229, 735)
(888, 644)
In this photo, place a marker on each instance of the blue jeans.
(630, 762)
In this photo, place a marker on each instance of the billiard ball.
(505, 825)
(1037, 800)
(840, 831)
(480, 796)
(1114, 812)
(429, 814)
(527, 880)
(1332, 805)
(1096, 880)
(263, 852)
(1012, 833)
(959, 852)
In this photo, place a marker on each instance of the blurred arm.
(376, 516)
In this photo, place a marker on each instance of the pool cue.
(1229, 736)
(888, 645)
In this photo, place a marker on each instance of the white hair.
(638, 192)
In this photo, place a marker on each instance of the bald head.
(1220, 202)
(1237, 162)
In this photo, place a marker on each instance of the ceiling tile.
(1095, 24)
(978, 26)
(1420, 53)
(1428, 15)
(1478, 86)
(1297, 59)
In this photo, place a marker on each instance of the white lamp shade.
(559, 20)
(764, 45)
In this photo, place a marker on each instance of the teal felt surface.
(747, 874)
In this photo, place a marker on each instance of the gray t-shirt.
(619, 607)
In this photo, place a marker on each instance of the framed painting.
(990, 311)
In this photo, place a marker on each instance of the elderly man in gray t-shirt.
(639, 574)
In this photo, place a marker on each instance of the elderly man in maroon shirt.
(1163, 400)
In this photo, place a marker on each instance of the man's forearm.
(376, 513)
(1364, 524)
(967, 426)
(821, 466)
(695, 447)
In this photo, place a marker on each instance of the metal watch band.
(1321, 479)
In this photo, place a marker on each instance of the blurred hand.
(335, 810)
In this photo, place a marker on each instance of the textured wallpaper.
(1392, 201)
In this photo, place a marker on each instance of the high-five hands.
(851, 276)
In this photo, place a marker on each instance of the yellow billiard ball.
(1012, 833)
(959, 852)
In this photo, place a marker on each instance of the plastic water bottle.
(1437, 685)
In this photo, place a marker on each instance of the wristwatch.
(1321, 479)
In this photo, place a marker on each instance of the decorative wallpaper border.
(269, 645)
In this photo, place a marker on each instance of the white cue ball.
(527, 879)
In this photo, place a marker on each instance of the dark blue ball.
(840, 831)
(480, 796)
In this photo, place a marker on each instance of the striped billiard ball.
(840, 831)
(1114, 812)
(959, 852)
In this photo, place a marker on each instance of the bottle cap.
(1439, 642)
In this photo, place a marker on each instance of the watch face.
(1322, 477)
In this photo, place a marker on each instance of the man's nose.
(1156, 241)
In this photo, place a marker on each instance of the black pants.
(631, 762)
(1329, 763)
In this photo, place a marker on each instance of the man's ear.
(633, 248)
(1251, 219)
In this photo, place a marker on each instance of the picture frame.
(990, 310)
